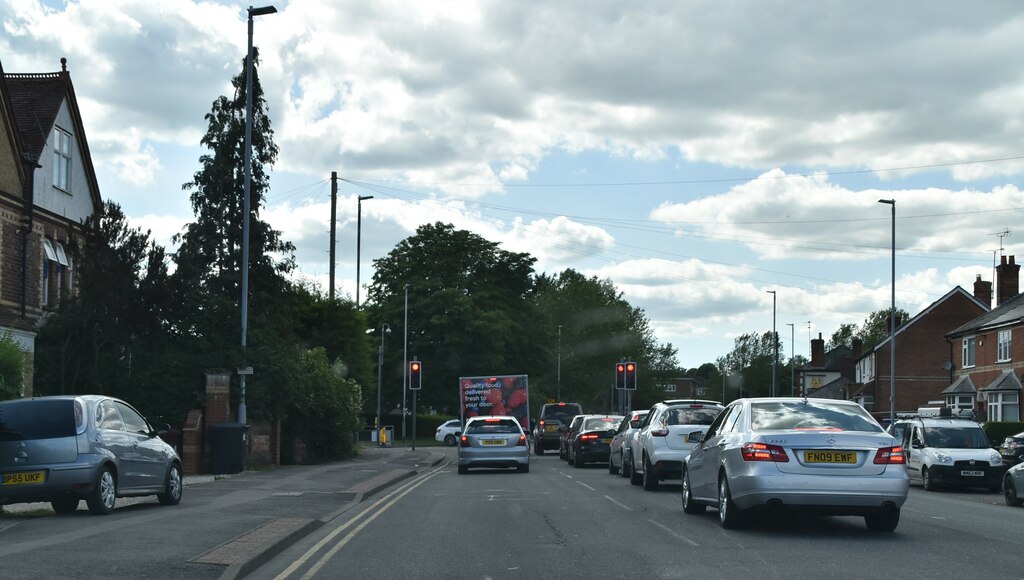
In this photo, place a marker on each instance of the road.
(562, 522)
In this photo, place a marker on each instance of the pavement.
(232, 524)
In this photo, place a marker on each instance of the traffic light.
(415, 375)
(620, 375)
(630, 376)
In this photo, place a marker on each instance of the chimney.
(818, 352)
(858, 347)
(1008, 280)
(983, 291)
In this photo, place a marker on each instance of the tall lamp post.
(792, 358)
(892, 319)
(247, 178)
(359, 239)
(384, 329)
(558, 367)
(775, 343)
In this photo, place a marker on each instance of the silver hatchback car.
(495, 441)
(819, 455)
(68, 448)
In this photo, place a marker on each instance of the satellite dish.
(947, 366)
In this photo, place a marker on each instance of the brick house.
(829, 374)
(988, 354)
(924, 358)
(48, 188)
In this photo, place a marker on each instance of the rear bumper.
(954, 475)
(71, 479)
(505, 457)
(824, 494)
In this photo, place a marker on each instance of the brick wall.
(192, 443)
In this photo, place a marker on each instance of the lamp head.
(261, 11)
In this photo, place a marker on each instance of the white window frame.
(1004, 344)
(960, 403)
(968, 352)
(61, 159)
(1004, 406)
(670, 388)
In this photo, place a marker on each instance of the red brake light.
(561, 404)
(764, 452)
(890, 456)
(541, 422)
(464, 441)
(589, 437)
(663, 432)
(490, 420)
(522, 441)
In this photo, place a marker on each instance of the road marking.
(586, 486)
(621, 505)
(675, 535)
(397, 494)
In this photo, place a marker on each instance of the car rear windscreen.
(816, 415)
(601, 423)
(37, 419)
(481, 427)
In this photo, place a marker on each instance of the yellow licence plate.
(830, 457)
(551, 428)
(24, 477)
(492, 442)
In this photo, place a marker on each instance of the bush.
(998, 431)
(324, 411)
(12, 368)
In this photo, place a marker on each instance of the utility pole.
(334, 224)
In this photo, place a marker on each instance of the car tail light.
(659, 432)
(891, 456)
(491, 420)
(464, 441)
(589, 437)
(541, 422)
(522, 441)
(764, 452)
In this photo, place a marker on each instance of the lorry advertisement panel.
(496, 395)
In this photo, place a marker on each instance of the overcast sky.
(697, 154)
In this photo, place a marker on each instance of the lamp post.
(405, 369)
(892, 319)
(247, 178)
(384, 329)
(775, 343)
(558, 367)
(792, 358)
(359, 238)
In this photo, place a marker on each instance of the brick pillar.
(218, 407)
(192, 443)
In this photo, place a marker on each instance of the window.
(55, 265)
(61, 159)
(967, 356)
(960, 403)
(1004, 407)
(1003, 344)
(671, 388)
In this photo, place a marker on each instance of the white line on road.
(586, 486)
(675, 535)
(621, 505)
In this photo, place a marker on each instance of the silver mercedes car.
(68, 448)
(822, 456)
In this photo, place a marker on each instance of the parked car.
(825, 456)
(565, 435)
(949, 452)
(448, 432)
(1012, 449)
(550, 420)
(68, 448)
(591, 442)
(620, 445)
(1013, 484)
(493, 441)
(668, 434)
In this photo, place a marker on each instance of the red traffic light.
(415, 375)
(630, 367)
(414, 366)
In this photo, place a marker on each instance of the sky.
(699, 155)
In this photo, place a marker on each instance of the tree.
(751, 358)
(12, 366)
(871, 333)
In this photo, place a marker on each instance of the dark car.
(1012, 449)
(593, 440)
(68, 448)
(550, 421)
(566, 434)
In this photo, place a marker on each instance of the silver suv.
(669, 432)
(69, 448)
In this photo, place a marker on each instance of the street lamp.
(792, 358)
(247, 178)
(384, 329)
(775, 343)
(359, 238)
(892, 320)
(558, 367)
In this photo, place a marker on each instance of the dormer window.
(61, 159)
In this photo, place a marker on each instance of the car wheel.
(650, 479)
(728, 514)
(172, 487)
(612, 468)
(689, 505)
(883, 521)
(523, 468)
(578, 460)
(570, 459)
(65, 505)
(625, 466)
(538, 448)
(561, 453)
(101, 498)
(926, 480)
(634, 477)
(1010, 492)
(463, 470)
(449, 440)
